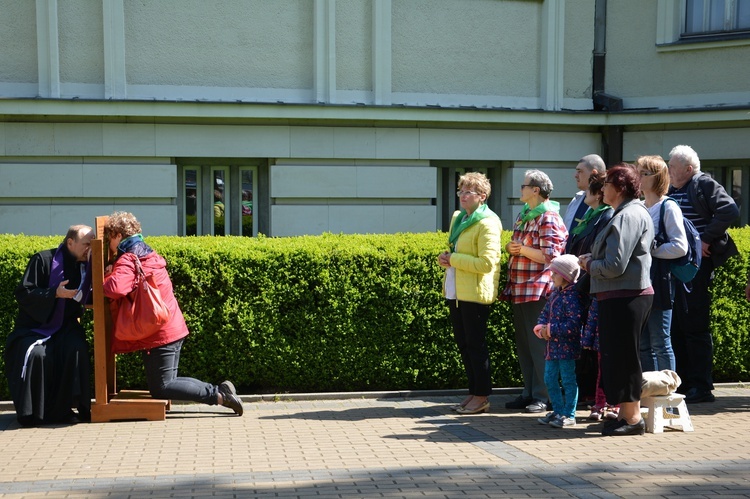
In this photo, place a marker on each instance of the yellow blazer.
(477, 261)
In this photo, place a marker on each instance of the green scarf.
(590, 215)
(528, 214)
(463, 222)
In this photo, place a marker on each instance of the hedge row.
(339, 312)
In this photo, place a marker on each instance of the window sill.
(705, 42)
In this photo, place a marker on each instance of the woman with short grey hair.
(539, 236)
(540, 179)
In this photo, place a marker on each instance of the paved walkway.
(371, 447)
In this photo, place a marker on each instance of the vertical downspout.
(600, 48)
(611, 135)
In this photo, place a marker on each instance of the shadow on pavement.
(584, 480)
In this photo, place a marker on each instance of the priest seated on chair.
(47, 356)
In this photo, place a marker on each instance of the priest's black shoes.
(621, 427)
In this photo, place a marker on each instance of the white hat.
(567, 267)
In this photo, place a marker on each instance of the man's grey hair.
(594, 162)
(538, 178)
(687, 156)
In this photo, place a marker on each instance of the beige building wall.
(710, 144)
(230, 45)
(316, 196)
(480, 47)
(81, 38)
(669, 76)
(477, 53)
(354, 34)
(18, 57)
(336, 179)
(44, 195)
(119, 93)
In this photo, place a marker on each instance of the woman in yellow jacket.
(471, 282)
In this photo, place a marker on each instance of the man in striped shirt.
(706, 203)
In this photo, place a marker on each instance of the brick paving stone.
(370, 447)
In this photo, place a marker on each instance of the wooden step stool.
(658, 417)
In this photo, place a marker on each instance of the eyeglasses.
(527, 185)
(646, 174)
(466, 193)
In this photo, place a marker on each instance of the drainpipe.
(611, 135)
(602, 100)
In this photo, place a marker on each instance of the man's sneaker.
(537, 406)
(231, 400)
(518, 403)
(562, 422)
(548, 418)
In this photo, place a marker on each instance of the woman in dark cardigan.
(580, 239)
(582, 236)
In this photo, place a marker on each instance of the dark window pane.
(219, 212)
(191, 202)
(694, 16)
(247, 202)
(743, 14)
(737, 187)
(716, 16)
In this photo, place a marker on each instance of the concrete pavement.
(376, 445)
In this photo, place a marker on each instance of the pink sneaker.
(611, 412)
(597, 413)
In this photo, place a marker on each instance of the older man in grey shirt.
(577, 208)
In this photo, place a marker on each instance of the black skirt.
(57, 378)
(621, 321)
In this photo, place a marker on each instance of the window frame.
(669, 31)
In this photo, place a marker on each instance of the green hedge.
(338, 312)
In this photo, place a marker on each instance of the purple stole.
(55, 278)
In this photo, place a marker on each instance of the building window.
(716, 17)
(699, 24)
(218, 200)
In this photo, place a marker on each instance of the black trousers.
(161, 365)
(691, 331)
(470, 332)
